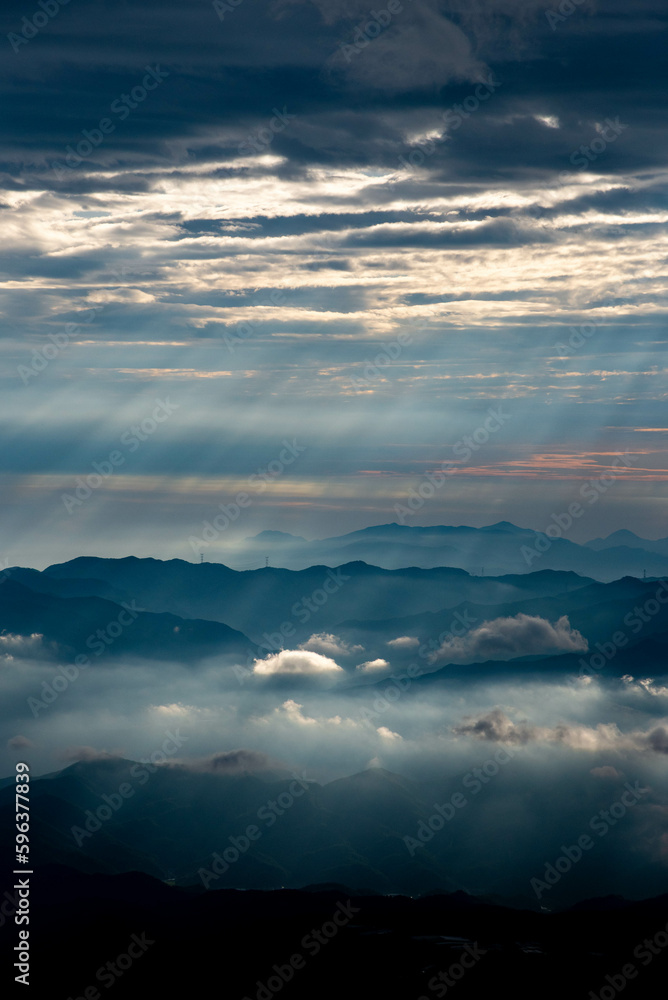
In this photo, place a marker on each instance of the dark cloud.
(76, 753)
(658, 740)
(497, 728)
(235, 762)
(19, 743)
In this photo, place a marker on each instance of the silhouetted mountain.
(326, 942)
(258, 602)
(71, 626)
(629, 540)
(596, 610)
(649, 657)
(76, 587)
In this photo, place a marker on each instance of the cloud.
(404, 642)
(19, 743)
(500, 28)
(506, 638)
(298, 662)
(604, 736)
(387, 734)
(23, 646)
(658, 740)
(373, 665)
(647, 685)
(495, 726)
(292, 710)
(87, 753)
(235, 762)
(418, 50)
(607, 771)
(174, 711)
(330, 645)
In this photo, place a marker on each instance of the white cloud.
(292, 711)
(373, 665)
(550, 121)
(656, 690)
(300, 662)
(404, 642)
(174, 711)
(387, 734)
(22, 646)
(330, 645)
(505, 638)
(647, 685)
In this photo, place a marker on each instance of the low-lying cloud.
(235, 762)
(23, 646)
(404, 642)
(497, 727)
(506, 638)
(297, 662)
(372, 666)
(330, 645)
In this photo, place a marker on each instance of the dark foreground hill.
(132, 933)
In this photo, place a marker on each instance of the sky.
(320, 247)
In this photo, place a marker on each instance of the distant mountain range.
(631, 541)
(494, 550)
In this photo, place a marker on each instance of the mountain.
(649, 657)
(251, 830)
(493, 550)
(188, 611)
(596, 610)
(630, 540)
(76, 587)
(175, 820)
(170, 941)
(261, 602)
(279, 538)
(85, 625)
